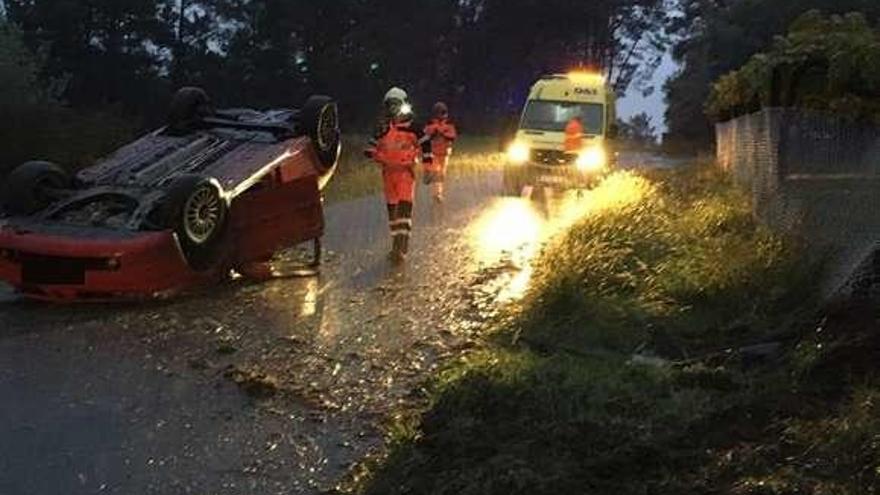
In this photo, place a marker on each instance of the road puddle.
(512, 231)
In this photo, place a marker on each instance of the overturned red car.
(211, 192)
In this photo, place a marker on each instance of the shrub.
(824, 63)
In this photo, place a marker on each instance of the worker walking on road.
(574, 135)
(396, 146)
(442, 133)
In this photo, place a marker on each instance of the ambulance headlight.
(592, 160)
(518, 153)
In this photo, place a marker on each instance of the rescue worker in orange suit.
(396, 146)
(442, 134)
(574, 135)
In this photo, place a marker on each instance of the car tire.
(188, 107)
(197, 211)
(29, 186)
(319, 120)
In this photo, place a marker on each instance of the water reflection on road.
(514, 229)
(343, 349)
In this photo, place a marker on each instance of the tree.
(19, 68)
(478, 55)
(717, 36)
(36, 123)
(638, 131)
(505, 45)
(197, 34)
(108, 51)
(830, 64)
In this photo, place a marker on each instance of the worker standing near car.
(396, 146)
(442, 133)
(574, 135)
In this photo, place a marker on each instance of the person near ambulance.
(396, 146)
(442, 133)
(574, 135)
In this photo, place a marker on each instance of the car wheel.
(33, 186)
(319, 119)
(197, 211)
(188, 106)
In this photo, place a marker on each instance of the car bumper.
(553, 175)
(58, 268)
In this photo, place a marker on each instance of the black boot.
(397, 249)
(405, 213)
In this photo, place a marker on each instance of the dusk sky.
(654, 105)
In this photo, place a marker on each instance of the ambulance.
(538, 155)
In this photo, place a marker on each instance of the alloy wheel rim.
(202, 214)
(327, 127)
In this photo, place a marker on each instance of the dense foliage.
(823, 63)
(718, 36)
(35, 125)
(480, 55)
(18, 68)
(79, 77)
(638, 131)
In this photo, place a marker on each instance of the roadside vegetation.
(668, 346)
(823, 63)
(36, 125)
(715, 38)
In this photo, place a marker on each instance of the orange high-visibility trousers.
(400, 185)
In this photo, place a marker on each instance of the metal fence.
(816, 175)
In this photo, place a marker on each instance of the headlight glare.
(592, 160)
(518, 153)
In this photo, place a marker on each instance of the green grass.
(680, 272)
(683, 262)
(357, 176)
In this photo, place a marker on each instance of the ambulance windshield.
(544, 115)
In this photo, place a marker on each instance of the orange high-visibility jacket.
(442, 133)
(397, 145)
(574, 136)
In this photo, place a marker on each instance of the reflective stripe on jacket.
(398, 144)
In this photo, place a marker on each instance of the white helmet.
(396, 94)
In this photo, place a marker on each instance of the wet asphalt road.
(265, 388)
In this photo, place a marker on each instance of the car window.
(554, 115)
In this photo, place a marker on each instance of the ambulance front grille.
(552, 157)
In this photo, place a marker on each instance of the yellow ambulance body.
(537, 154)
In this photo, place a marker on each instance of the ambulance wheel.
(319, 120)
(196, 210)
(513, 183)
(189, 105)
(33, 186)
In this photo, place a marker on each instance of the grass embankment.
(555, 404)
(358, 176)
